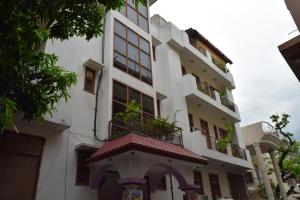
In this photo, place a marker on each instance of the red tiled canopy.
(134, 141)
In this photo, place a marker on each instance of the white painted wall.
(58, 167)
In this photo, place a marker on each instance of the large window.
(138, 16)
(132, 53)
(123, 94)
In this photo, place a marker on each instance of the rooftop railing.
(148, 127)
(268, 128)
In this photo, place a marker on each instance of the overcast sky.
(248, 32)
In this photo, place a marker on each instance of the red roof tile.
(134, 141)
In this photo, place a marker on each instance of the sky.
(248, 32)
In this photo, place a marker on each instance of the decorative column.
(278, 175)
(263, 170)
(190, 192)
(132, 188)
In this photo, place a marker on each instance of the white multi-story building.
(84, 152)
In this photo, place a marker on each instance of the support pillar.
(263, 169)
(278, 175)
(132, 188)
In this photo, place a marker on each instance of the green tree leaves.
(31, 82)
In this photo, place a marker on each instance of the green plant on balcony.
(162, 126)
(132, 113)
(221, 65)
(223, 143)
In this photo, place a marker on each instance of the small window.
(120, 29)
(89, 83)
(145, 60)
(120, 92)
(83, 171)
(143, 23)
(132, 14)
(162, 185)
(133, 37)
(154, 53)
(120, 45)
(144, 45)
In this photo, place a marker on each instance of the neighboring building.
(84, 152)
(262, 140)
(291, 49)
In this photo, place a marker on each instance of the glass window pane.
(133, 37)
(120, 92)
(144, 45)
(132, 14)
(120, 29)
(145, 60)
(117, 108)
(143, 23)
(133, 53)
(143, 10)
(148, 105)
(120, 45)
(131, 2)
(119, 61)
(133, 69)
(123, 10)
(146, 75)
(134, 96)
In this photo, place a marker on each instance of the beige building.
(262, 139)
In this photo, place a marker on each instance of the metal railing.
(268, 128)
(206, 90)
(149, 127)
(238, 152)
(225, 102)
(212, 143)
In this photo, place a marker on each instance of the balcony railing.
(225, 102)
(220, 65)
(238, 152)
(206, 90)
(149, 127)
(212, 143)
(268, 128)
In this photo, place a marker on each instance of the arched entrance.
(105, 180)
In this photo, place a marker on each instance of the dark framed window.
(132, 53)
(191, 122)
(138, 16)
(162, 185)
(89, 81)
(123, 94)
(198, 181)
(83, 171)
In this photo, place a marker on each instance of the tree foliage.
(31, 81)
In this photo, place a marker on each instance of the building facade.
(87, 150)
(291, 48)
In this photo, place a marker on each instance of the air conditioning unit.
(203, 197)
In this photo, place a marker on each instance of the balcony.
(263, 133)
(207, 146)
(209, 91)
(205, 96)
(234, 149)
(149, 127)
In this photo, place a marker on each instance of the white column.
(263, 169)
(278, 175)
